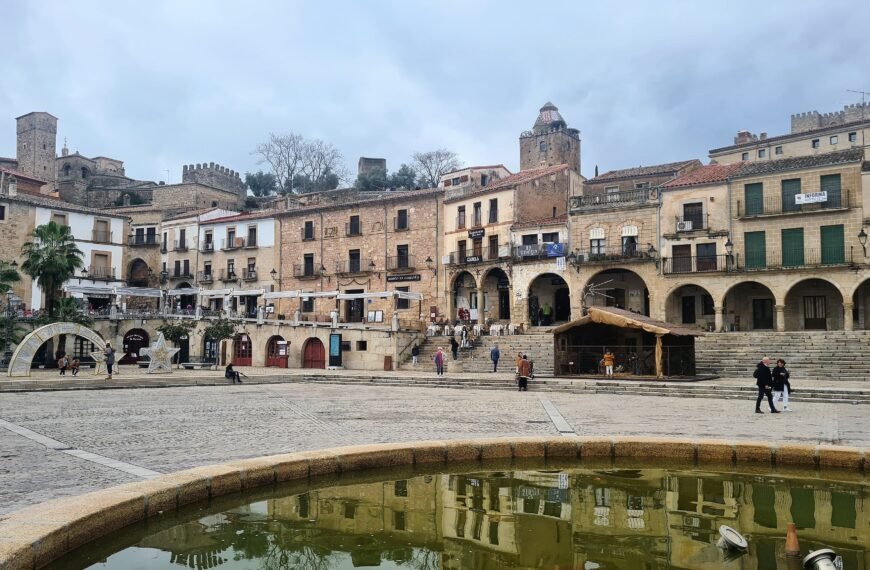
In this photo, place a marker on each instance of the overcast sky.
(161, 84)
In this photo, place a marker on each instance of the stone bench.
(197, 365)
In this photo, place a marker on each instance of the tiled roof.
(526, 175)
(704, 175)
(764, 142)
(541, 222)
(41, 201)
(477, 168)
(363, 198)
(242, 217)
(799, 162)
(19, 174)
(658, 169)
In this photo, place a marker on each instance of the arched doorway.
(497, 295)
(313, 354)
(549, 300)
(691, 305)
(242, 350)
(620, 288)
(184, 304)
(276, 352)
(139, 274)
(464, 298)
(861, 306)
(134, 341)
(813, 304)
(749, 306)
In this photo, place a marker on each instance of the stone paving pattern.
(169, 429)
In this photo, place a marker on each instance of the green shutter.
(831, 185)
(793, 247)
(756, 250)
(753, 194)
(833, 248)
(790, 189)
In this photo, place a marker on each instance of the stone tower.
(550, 142)
(37, 145)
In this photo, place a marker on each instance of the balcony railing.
(101, 236)
(143, 240)
(691, 224)
(233, 243)
(537, 251)
(779, 205)
(488, 253)
(349, 266)
(401, 262)
(249, 274)
(207, 247)
(251, 242)
(401, 224)
(352, 229)
(460, 222)
(307, 233)
(699, 264)
(618, 254)
(228, 275)
(204, 277)
(182, 274)
(610, 201)
(797, 258)
(306, 271)
(180, 245)
(477, 220)
(100, 273)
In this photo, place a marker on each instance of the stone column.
(719, 318)
(480, 313)
(848, 322)
(780, 318)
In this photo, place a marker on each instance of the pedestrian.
(540, 316)
(608, 359)
(415, 354)
(764, 381)
(517, 362)
(548, 314)
(439, 361)
(494, 354)
(781, 385)
(525, 371)
(454, 347)
(463, 335)
(63, 364)
(74, 366)
(109, 354)
(231, 374)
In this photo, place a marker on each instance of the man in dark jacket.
(764, 381)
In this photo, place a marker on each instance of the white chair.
(495, 330)
(478, 330)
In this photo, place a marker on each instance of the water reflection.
(590, 519)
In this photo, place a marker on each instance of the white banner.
(811, 198)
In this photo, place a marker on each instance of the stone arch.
(549, 289)
(860, 299)
(813, 303)
(751, 305)
(630, 289)
(690, 304)
(464, 294)
(26, 349)
(138, 273)
(497, 286)
(276, 352)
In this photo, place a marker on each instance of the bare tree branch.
(301, 165)
(429, 166)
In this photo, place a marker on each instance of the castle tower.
(37, 145)
(550, 142)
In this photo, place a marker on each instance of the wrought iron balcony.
(101, 273)
(233, 243)
(684, 224)
(207, 247)
(613, 200)
(352, 229)
(792, 258)
(228, 275)
(401, 224)
(180, 245)
(249, 274)
(306, 271)
(782, 205)
(205, 277)
(614, 254)
(143, 240)
(182, 274)
(538, 251)
(350, 266)
(307, 233)
(401, 262)
(699, 264)
(251, 242)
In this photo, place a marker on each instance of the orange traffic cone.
(792, 548)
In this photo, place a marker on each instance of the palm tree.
(51, 259)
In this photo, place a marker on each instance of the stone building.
(617, 185)
(13, 181)
(474, 176)
(811, 133)
(550, 142)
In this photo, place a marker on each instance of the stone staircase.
(538, 346)
(809, 355)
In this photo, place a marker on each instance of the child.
(608, 363)
(74, 366)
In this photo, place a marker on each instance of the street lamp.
(274, 274)
(729, 247)
(862, 239)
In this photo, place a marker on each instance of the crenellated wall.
(214, 175)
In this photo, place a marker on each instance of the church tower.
(550, 142)
(37, 145)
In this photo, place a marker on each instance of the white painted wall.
(265, 231)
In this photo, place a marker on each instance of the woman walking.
(109, 353)
(439, 361)
(781, 385)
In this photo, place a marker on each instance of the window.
(596, 247)
(403, 303)
(307, 305)
(493, 248)
(530, 239)
(100, 270)
(353, 261)
(778, 150)
(402, 259)
(308, 231)
(477, 245)
(209, 240)
(362, 345)
(101, 231)
(349, 510)
(252, 236)
(762, 152)
(744, 156)
(345, 346)
(206, 269)
(477, 219)
(543, 146)
(756, 250)
(790, 189)
(353, 227)
(399, 520)
(2, 212)
(832, 242)
(853, 137)
(462, 249)
(693, 216)
(706, 256)
(402, 220)
(493, 211)
(493, 532)
(792, 247)
(455, 181)
(59, 219)
(165, 240)
(641, 185)
(552, 237)
(186, 267)
(629, 246)
(252, 265)
(484, 179)
(753, 196)
(177, 271)
(231, 268)
(612, 193)
(815, 143)
(308, 264)
(834, 139)
(707, 305)
(460, 218)
(231, 237)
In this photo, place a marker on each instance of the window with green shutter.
(756, 250)
(753, 194)
(831, 184)
(790, 189)
(793, 247)
(833, 245)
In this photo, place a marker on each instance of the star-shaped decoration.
(100, 358)
(161, 356)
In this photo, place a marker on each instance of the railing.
(182, 274)
(180, 245)
(228, 275)
(100, 273)
(611, 200)
(144, 240)
(251, 242)
(604, 255)
(305, 272)
(233, 243)
(249, 274)
(776, 205)
(204, 277)
(699, 264)
(163, 247)
(101, 236)
(460, 222)
(207, 247)
(536, 251)
(401, 224)
(352, 229)
(400, 262)
(477, 221)
(307, 235)
(797, 258)
(353, 266)
(691, 224)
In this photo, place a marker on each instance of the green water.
(590, 519)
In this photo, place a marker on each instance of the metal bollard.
(821, 560)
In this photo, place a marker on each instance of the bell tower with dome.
(550, 142)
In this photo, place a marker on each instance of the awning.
(314, 295)
(184, 291)
(138, 292)
(379, 295)
(627, 319)
(215, 292)
(409, 295)
(282, 295)
(247, 292)
(89, 291)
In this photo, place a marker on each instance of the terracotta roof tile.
(658, 169)
(19, 174)
(526, 175)
(242, 217)
(563, 219)
(704, 175)
(42, 201)
(800, 162)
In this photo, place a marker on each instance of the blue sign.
(555, 249)
(335, 350)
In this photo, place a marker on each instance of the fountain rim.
(37, 535)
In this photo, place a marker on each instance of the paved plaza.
(63, 443)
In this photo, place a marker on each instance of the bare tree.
(320, 159)
(284, 155)
(299, 164)
(429, 166)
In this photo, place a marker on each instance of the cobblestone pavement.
(176, 428)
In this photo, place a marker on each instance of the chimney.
(762, 136)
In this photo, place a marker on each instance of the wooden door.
(762, 313)
(313, 356)
(242, 351)
(815, 313)
(274, 358)
(689, 310)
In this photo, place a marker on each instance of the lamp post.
(729, 248)
(862, 239)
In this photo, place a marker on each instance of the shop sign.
(478, 233)
(473, 259)
(401, 278)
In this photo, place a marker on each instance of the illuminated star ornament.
(161, 356)
(100, 359)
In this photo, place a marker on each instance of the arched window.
(85, 172)
(67, 169)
